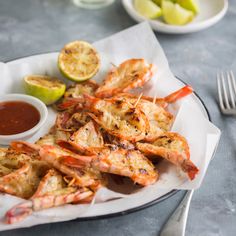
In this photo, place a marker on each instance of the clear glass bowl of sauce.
(20, 117)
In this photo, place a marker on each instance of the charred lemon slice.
(78, 61)
(46, 88)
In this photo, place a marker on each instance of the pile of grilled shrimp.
(99, 130)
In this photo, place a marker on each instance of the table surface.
(29, 27)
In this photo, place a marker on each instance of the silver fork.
(176, 224)
(227, 92)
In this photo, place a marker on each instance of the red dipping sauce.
(17, 117)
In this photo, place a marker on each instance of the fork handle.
(176, 224)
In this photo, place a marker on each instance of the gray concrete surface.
(29, 27)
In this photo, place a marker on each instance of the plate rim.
(148, 204)
(171, 29)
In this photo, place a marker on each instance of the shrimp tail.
(190, 168)
(70, 102)
(25, 147)
(75, 162)
(19, 212)
(22, 210)
(173, 97)
(68, 146)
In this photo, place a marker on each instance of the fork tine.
(220, 92)
(225, 91)
(230, 81)
(233, 82)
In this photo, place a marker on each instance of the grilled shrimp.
(163, 102)
(24, 147)
(134, 97)
(129, 163)
(77, 120)
(172, 147)
(79, 89)
(119, 118)
(21, 174)
(83, 177)
(70, 122)
(130, 74)
(121, 143)
(11, 161)
(52, 155)
(3, 152)
(11, 183)
(159, 119)
(85, 140)
(62, 119)
(52, 191)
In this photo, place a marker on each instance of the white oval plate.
(211, 11)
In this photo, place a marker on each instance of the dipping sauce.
(17, 117)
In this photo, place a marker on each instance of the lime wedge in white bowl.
(210, 12)
(148, 8)
(174, 14)
(191, 5)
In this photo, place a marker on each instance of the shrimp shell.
(23, 174)
(130, 74)
(85, 140)
(52, 192)
(172, 147)
(129, 163)
(118, 118)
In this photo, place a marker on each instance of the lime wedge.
(191, 5)
(147, 8)
(78, 61)
(158, 2)
(47, 89)
(174, 14)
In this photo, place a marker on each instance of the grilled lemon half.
(78, 61)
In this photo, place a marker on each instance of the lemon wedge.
(78, 61)
(147, 8)
(174, 14)
(46, 88)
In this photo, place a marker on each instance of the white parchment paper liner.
(135, 42)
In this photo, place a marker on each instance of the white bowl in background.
(40, 106)
(211, 11)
